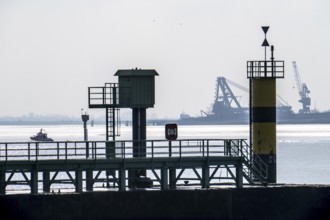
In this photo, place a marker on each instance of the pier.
(199, 163)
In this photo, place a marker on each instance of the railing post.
(94, 150)
(58, 150)
(89, 96)
(75, 148)
(180, 149)
(208, 150)
(203, 147)
(226, 149)
(124, 150)
(66, 150)
(6, 151)
(87, 149)
(37, 150)
(103, 96)
(28, 151)
(152, 149)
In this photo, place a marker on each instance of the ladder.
(112, 123)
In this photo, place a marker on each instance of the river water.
(303, 151)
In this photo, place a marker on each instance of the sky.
(52, 51)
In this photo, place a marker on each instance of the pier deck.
(169, 164)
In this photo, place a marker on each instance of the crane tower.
(303, 91)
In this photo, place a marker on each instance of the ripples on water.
(303, 151)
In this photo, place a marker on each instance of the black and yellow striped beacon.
(262, 75)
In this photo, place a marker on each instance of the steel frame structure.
(85, 165)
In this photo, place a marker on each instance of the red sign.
(171, 131)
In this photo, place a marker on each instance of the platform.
(197, 163)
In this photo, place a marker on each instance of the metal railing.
(254, 167)
(104, 96)
(71, 150)
(265, 69)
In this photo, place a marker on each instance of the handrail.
(253, 166)
(265, 69)
(65, 150)
(103, 95)
(256, 165)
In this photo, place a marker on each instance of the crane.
(303, 91)
(279, 100)
(226, 101)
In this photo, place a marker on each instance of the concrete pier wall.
(289, 202)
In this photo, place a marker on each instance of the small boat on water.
(41, 136)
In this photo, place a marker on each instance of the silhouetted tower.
(263, 75)
(136, 90)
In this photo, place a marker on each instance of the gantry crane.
(303, 91)
(227, 102)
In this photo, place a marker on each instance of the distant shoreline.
(40, 122)
(71, 122)
(55, 122)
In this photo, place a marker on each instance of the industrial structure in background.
(303, 91)
(228, 109)
(225, 100)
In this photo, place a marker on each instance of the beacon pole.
(85, 118)
(262, 76)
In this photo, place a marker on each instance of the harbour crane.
(227, 102)
(303, 91)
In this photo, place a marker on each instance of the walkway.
(169, 164)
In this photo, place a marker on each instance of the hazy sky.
(52, 51)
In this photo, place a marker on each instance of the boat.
(41, 136)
